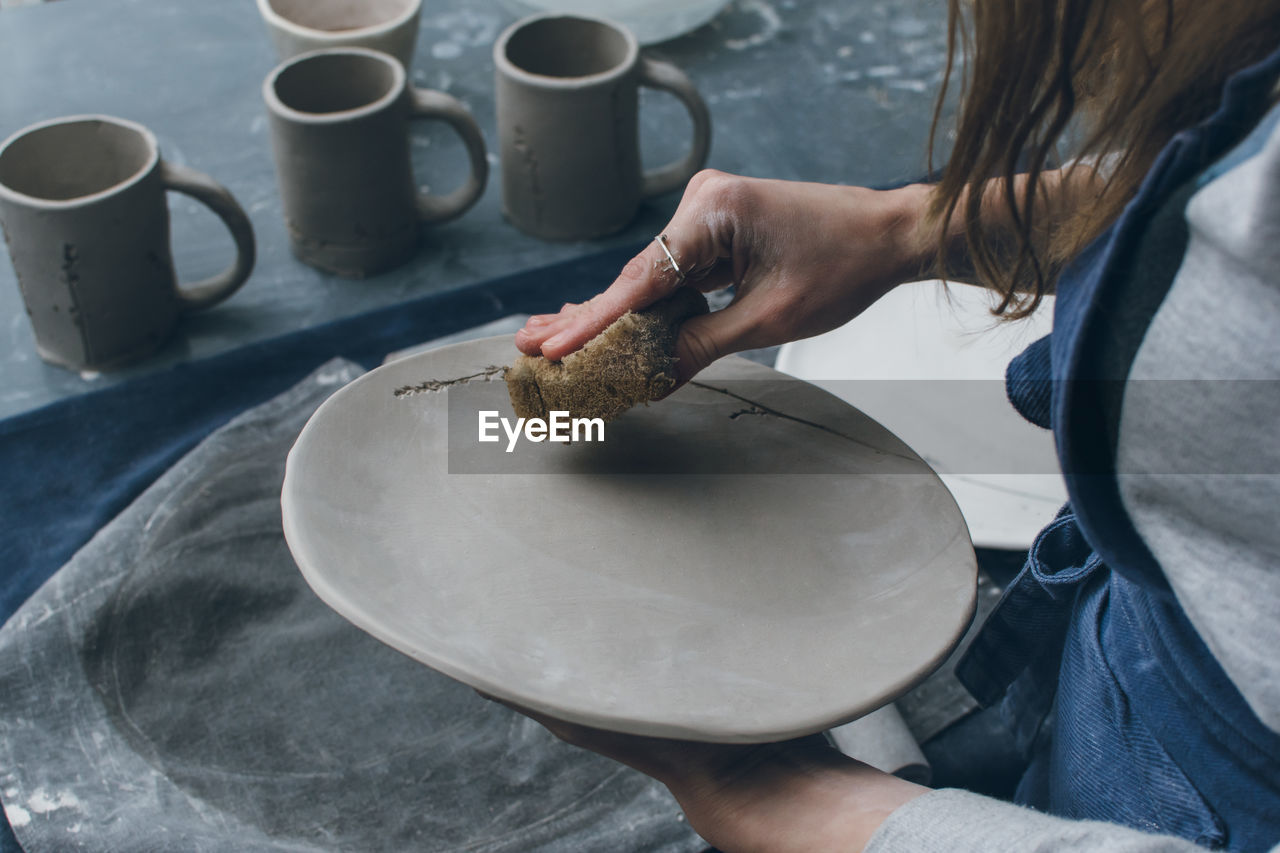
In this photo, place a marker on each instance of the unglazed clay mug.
(567, 96)
(340, 130)
(301, 26)
(82, 202)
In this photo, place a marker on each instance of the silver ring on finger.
(662, 241)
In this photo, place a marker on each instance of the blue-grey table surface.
(818, 90)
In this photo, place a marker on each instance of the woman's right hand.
(805, 258)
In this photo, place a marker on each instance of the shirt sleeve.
(953, 821)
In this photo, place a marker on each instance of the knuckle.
(699, 178)
(727, 193)
(636, 269)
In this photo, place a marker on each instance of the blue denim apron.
(1122, 710)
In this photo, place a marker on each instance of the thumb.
(705, 338)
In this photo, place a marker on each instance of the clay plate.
(751, 559)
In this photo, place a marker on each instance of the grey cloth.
(961, 822)
(177, 686)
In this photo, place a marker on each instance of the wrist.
(912, 239)
(859, 798)
(797, 796)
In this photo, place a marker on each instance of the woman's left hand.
(798, 795)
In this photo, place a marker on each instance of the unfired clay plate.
(751, 559)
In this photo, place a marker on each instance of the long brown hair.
(1122, 76)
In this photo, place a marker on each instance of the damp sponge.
(628, 363)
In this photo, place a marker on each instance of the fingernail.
(538, 320)
(555, 341)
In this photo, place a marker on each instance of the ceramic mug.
(340, 131)
(301, 26)
(567, 99)
(82, 202)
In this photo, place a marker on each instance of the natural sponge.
(630, 362)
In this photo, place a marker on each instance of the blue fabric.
(8, 843)
(1028, 383)
(1123, 712)
(1017, 653)
(1193, 711)
(1146, 730)
(1104, 762)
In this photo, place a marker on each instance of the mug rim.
(153, 159)
(280, 108)
(509, 69)
(336, 37)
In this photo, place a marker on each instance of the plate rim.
(623, 723)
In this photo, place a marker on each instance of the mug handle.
(211, 291)
(668, 78)
(430, 104)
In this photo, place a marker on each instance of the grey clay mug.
(567, 100)
(82, 203)
(301, 26)
(340, 131)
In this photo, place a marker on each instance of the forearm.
(938, 254)
(801, 796)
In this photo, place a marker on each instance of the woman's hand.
(805, 258)
(799, 795)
